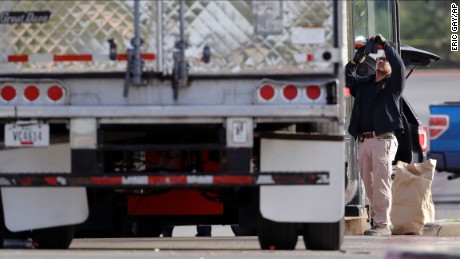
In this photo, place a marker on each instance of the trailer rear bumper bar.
(165, 180)
(168, 111)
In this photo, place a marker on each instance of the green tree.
(425, 24)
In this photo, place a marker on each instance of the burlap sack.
(412, 204)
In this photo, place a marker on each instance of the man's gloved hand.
(370, 47)
(380, 40)
(359, 56)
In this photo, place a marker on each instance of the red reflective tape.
(50, 180)
(71, 57)
(167, 179)
(106, 180)
(122, 57)
(232, 179)
(146, 56)
(309, 57)
(27, 143)
(18, 58)
(26, 181)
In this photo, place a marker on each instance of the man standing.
(374, 121)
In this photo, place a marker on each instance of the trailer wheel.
(146, 228)
(54, 238)
(240, 231)
(276, 235)
(324, 236)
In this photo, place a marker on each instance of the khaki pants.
(375, 166)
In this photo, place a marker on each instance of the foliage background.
(425, 24)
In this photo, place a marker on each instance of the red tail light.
(438, 125)
(347, 92)
(290, 92)
(313, 92)
(8, 93)
(55, 93)
(267, 92)
(31, 92)
(423, 138)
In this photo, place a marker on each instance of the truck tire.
(276, 235)
(147, 228)
(240, 231)
(324, 236)
(53, 238)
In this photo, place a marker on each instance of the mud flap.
(28, 208)
(321, 202)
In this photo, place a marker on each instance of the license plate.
(27, 135)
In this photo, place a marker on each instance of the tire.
(276, 235)
(240, 232)
(146, 228)
(324, 236)
(53, 238)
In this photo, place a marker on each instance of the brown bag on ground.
(412, 204)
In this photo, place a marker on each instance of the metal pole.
(355, 195)
(160, 36)
(183, 75)
(182, 20)
(137, 69)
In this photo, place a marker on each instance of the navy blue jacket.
(386, 115)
